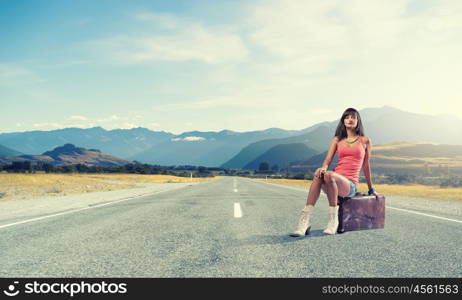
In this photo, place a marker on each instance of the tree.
(68, 169)
(48, 168)
(264, 166)
(27, 165)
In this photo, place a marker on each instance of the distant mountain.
(418, 150)
(205, 148)
(141, 144)
(67, 155)
(317, 140)
(119, 142)
(282, 155)
(396, 126)
(8, 151)
(232, 149)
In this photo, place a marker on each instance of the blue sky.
(212, 65)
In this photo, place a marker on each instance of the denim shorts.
(352, 189)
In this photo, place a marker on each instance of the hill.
(282, 155)
(68, 155)
(118, 142)
(8, 151)
(315, 140)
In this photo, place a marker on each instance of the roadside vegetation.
(132, 168)
(408, 190)
(34, 185)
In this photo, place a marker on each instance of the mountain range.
(69, 154)
(238, 150)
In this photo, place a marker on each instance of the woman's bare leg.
(333, 184)
(332, 190)
(315, 190)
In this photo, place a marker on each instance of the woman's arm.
(330, 153)
(366, 165)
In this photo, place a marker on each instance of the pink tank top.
(350, 159)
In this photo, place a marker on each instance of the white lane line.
(422, 214)
(76, 210)
(386, 206)
(237, 210)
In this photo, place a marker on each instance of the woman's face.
(350, 121)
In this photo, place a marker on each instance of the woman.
(354, 151)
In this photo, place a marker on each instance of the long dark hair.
(341, 132)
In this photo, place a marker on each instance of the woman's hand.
(373, 192)
(319, 172)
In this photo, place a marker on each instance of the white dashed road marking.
(237, 210)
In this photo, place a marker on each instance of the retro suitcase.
(361, 212)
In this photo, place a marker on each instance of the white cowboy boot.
(304, 224)
(333, 220)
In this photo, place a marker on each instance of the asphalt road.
(231, 227)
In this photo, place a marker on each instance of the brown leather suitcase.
(361, 212)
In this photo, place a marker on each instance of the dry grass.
(27, 186)
(394, 146)
(146, 178)
(421, 191)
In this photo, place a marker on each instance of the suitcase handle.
(356, 195)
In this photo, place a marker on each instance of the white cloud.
(350, 53)
(128, 126)
(13, 71)
(111, 118)
(196, 44)
(163, 20)
(48, 126)
(78, 118)
(309, 37)
(284, 63)
(242, 99)
(189, 139)
(173, 39)
(12, 75)
(321, 111)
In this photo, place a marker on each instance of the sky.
(211, 65)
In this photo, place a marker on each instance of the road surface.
(232, 227)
